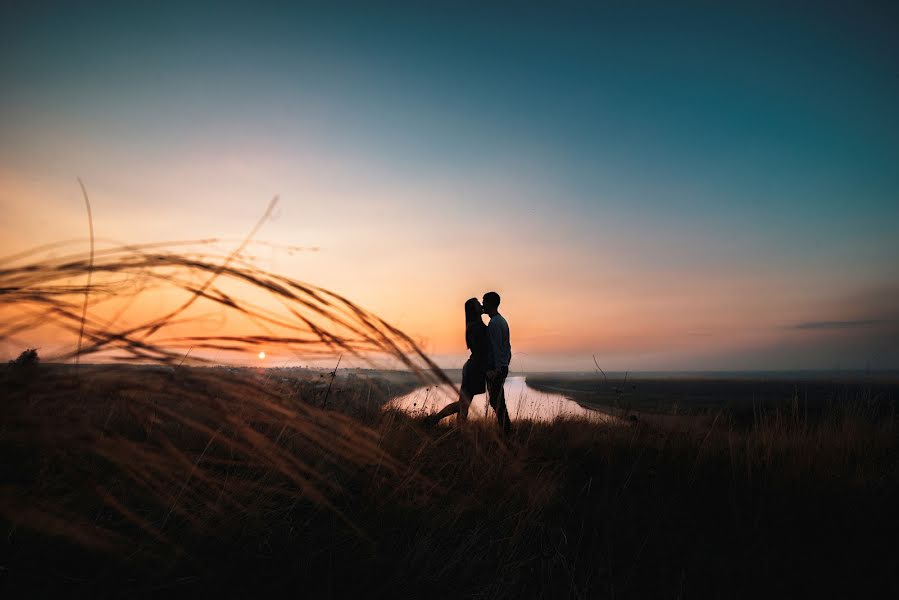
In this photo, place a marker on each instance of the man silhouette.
(498, 358)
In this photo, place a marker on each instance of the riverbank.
(693, 401)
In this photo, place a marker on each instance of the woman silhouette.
(474, 373)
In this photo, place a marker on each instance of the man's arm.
(499, 342)
(494, 338)
(507, 344)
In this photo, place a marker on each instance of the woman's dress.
(474, 372)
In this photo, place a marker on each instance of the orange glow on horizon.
(617, 302)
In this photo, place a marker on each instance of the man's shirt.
(500, 348)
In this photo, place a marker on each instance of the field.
(691, 399)
(197, 481)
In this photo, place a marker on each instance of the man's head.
(491, 303)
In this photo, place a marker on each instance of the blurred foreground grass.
(135, 480)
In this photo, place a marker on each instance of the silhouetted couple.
(488, 366)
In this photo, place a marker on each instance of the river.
(523, 403)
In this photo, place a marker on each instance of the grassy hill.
(151, 481)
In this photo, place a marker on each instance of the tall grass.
(295, 316)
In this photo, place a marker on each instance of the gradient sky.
(667, 185)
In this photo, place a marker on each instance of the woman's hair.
(472, 311)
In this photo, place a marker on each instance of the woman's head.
(473, 310)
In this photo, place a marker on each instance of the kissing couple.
(488, 365)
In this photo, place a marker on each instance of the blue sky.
(662, 168)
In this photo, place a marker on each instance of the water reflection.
(522, 401)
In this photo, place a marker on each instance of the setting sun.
(262, 356)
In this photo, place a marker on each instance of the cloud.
(853, 324)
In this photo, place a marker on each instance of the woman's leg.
(450, 409)
(460, 406)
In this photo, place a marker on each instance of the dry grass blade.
(90, 268)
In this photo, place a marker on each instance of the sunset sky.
(666, 185)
